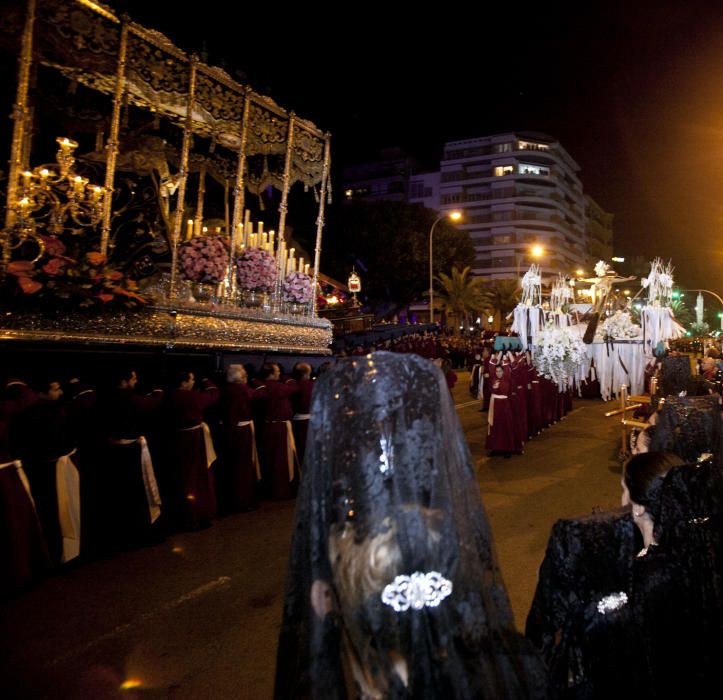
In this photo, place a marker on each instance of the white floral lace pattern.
(417, 591)
(612, 602)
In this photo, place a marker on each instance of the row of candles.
(286, 259)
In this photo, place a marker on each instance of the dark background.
(632, 90)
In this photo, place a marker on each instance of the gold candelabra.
(53, 198)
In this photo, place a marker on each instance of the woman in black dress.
(627, 602)
(393, 585)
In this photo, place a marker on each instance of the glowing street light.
(454, 216)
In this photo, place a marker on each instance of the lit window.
(531, 146)
(533, 169)
(504, 170)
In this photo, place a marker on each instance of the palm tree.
(460, 294)
(501, 296)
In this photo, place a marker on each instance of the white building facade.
(522, 202)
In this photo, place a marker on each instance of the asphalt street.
(198, 615)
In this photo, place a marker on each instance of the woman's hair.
(361, 570)
(644, 474)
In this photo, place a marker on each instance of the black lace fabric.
(614, 620)
(674, 374)
(689, 426)
(389, 491)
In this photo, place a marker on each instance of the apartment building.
(522, 200)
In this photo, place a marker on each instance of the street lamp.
(455, 216)
(536, 252)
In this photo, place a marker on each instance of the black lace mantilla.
(389, 478)
(688, 426)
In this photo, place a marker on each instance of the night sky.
(634, 91)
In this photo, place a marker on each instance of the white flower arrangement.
(531, 287)
(659, 283)
(560, 354)
(601, 268)
(560, 295)
(620, 325)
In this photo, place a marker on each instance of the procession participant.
(239, 469)
(534, 403)
(51, 471)
(191, 451)
(487, 374)
(86, 430)
(278, 455)
(393, 587)
(23, 551)
(518, 377)
(475, 378)
(126, 486)
(301, 402)
(501, 433)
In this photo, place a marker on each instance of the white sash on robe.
(67, 483)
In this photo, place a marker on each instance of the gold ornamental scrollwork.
(70, 25)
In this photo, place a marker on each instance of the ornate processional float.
(140, 231)
(610, 345)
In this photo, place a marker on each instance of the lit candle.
(189, 229)
(271, 240)
(44, 172)
(218, 229)
(306, 268)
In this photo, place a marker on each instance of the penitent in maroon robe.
(278, 455)
(194, 493)
(238, 471)
(23, 553)
(501, 435)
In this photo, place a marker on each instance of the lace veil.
(688, 426)
(393, 585)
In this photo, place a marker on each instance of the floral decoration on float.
(657, 318)
(297, 290)
(561, 356)
(256, 274)
(203, 260)
(619, 326)
(62, 277)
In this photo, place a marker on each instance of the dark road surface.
(197, 616)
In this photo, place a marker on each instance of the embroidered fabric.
(606, 619)
(392, 563)
(688, 426)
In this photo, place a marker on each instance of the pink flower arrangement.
(297, 288)
(256, 270)
(204, 259)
